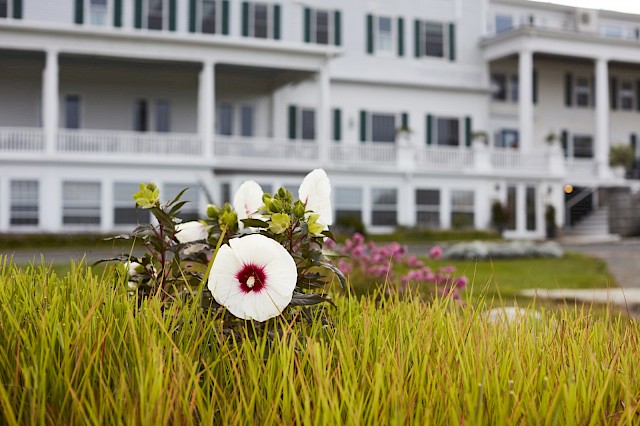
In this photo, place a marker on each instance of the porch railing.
(376, 154)
(21, 139)
(442, 157)
(258, 148)
(506, 159)
(118, 142)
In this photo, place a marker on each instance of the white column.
(323, 135)
(50, 102)
(525, 100)
(5, 208)
(602, 117)
(206, 110)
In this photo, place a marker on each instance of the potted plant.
(550, 221)
(480, 136)
(499, 217)
(621, 159)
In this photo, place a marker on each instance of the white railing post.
(602, 118)
(555, 160)
(406, 153)
(481, 156)
(50, 100)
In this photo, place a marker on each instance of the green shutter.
(79, 13)
(245, 18)
(172, 15)
(192, 16)
(117, 13)
(634, 144)
(416, 38)
(467, 131)
(337, 124)
(370, 34)
(276, 21)
(307, 25)
(400, 36)
(568, 89)
(429, 130)
(293, 115)
(337, 28)
(138, 14)
(17, 9)
(614, 93)
(535, 87)
(225, 17)
(404, 121)
(532, 20)
(565, 142)
(452, 41)
(363, 126)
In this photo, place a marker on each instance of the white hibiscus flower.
(315, 193)
(247, 201)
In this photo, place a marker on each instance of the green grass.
(76, 350)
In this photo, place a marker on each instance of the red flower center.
(251, 278)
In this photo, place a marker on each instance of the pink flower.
(253, 277)
(436, 252)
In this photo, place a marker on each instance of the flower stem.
(205, 277)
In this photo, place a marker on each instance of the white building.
(387, 96)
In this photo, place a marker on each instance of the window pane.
(498, 87)
(140, 115)
(208, 16)
(514, 88)
(98, 12)
(24, 203)
(531, 208)
(322, 27)
(384, 206)
(384, 218)
(583, 147)
(348, 197)
(503, 23)
(154, 19)
(434, 39)
(448, 132)
(81, 203)
(125, 211)
(385, 36)
(225, 193)
(583, 92)
(246, 120)
(626, 96)
(462, 200)
(3, 9)
(260, 21)
(383, 128)
(163, 116)
(72, 112)
(508, 138)
(308, 124)
(428, 219)
(428, 208)
(511, 208)
(427, 197)
(384, 197)
(348, 205)
(225, 120)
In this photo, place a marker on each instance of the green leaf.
(337, 272)
(314, 227)
(309, 299)
(255, 223)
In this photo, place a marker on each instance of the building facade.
(424, 113)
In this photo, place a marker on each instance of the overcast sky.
(629, 6)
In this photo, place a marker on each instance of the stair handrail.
(573, 202)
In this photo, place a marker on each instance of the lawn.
(80, 350)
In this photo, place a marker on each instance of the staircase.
(594, 227)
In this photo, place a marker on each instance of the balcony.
(21, 139)
(265, 153)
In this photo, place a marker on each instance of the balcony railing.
(118, 142)
(506, 159)
(21, 139)
(443, 157)
(372, 154)
(258, 148)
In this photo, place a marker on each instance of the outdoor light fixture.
(568, 189)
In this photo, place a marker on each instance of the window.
(322, 26)
(498, 87)
(225, 193)
(260, 21)
(348, 201)
(448, 131)
(434, 39)
(384, 34)
(383, 127)
(582, 146)
(507, 138)
(462, 208)
(308, 120)
(503, 23)
(511, 207)
(208, 16)
(428, 208)
(155, 14)
(583, 92)
(81, 203)
(615, 32)
(514, 89)
(98, 12)
(190, 211)
(124, 207)
(384, 210)
(236, 120)
(24, 203)
(246, 120)
(321, 33)
(72, 112)
(4, 9)
(225, 119)
(163, 116)
(140, 115)
(626, 96)
(531, 208)
(266, 187)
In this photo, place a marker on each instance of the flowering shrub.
(509, 250)
(258, 258)
(390, 264)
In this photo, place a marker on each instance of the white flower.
(134, 268)
(315, 193)
(247, 201)
(191, 231)
(253, 277)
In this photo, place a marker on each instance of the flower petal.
(247, 201)
(315, 193)
(191, 231)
